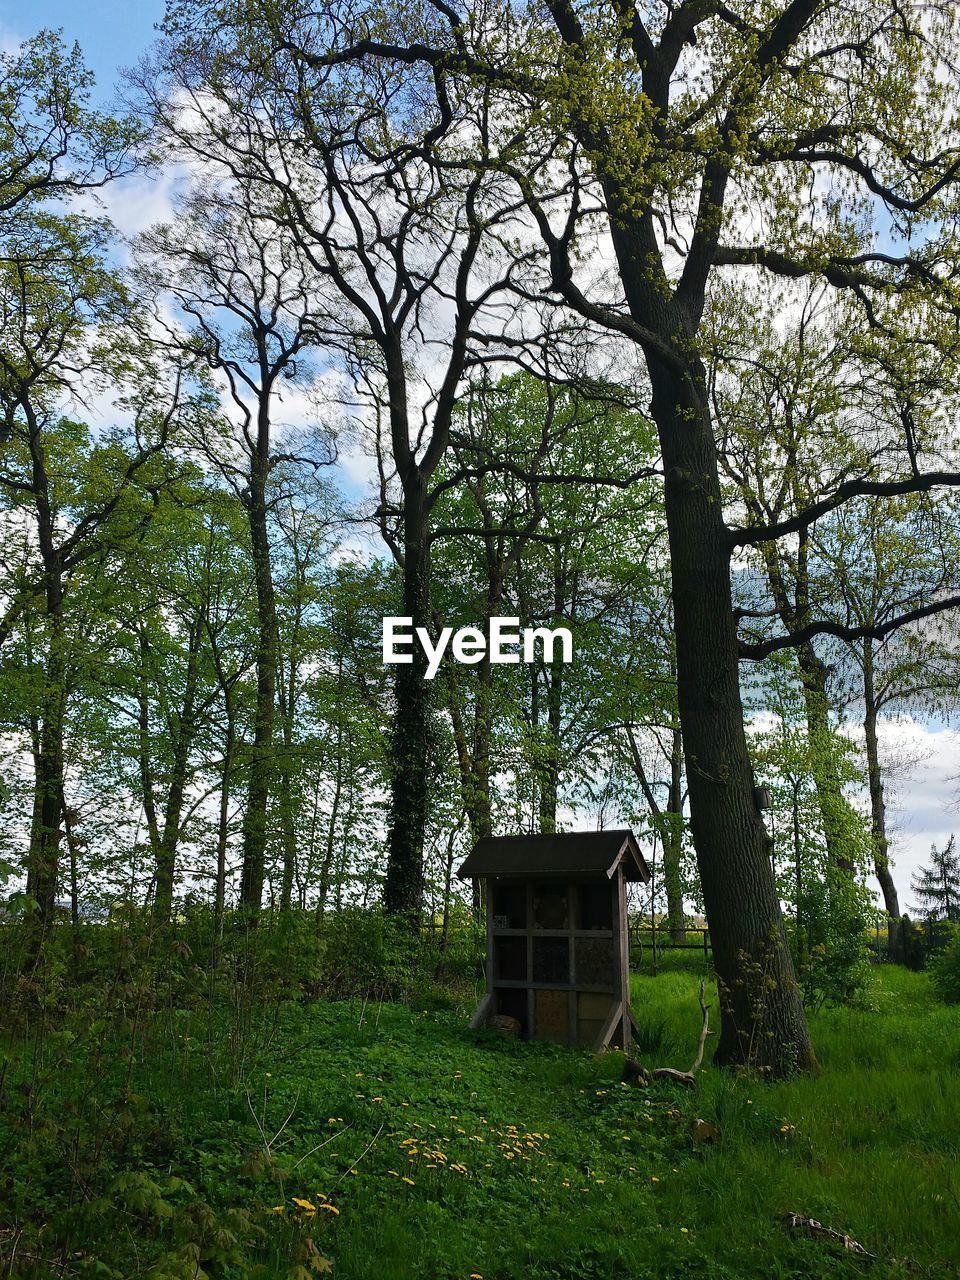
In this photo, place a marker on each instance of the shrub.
(945, 969)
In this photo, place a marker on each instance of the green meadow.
(382, 1141)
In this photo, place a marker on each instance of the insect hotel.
(557, 939)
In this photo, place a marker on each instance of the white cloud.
(922, 804)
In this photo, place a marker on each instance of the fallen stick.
(811, 1227)
(633, 1070)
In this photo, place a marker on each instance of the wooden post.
(531, 997)
(621, 928)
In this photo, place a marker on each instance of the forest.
(517, 432)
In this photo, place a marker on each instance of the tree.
(413, 256)
(938, 885)
(51, 144)
(544, 517)
(881, 559)
(681, 119)
(55, 289)
(241, 288)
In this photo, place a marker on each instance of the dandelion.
(684, 1231)
(654, 1179)
(331, 1208)
(409, 1181)
(279, 1208)
(303, 1204)
(379, 1099)
(393, 1173)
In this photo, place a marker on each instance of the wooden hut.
(557, 939)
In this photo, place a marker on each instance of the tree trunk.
(411, 745)
(173, 809)
(261, 761)
(447, 892)
(326, 865)
(795, 614)
(143, 744)
(223, 818)
(44, 855)
(878, 808)
(288, 830)
(550, 757)
(673, 841)
(762, 1018)
(826, 777)
(668, 825)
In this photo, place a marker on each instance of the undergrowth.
(183, 1121)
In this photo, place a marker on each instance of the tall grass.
(869, 1147)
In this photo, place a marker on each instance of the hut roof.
(571, 853)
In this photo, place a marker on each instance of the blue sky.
(112, 34)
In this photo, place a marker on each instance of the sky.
(111, 34)
(923, 798)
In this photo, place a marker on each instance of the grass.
(869, 1147)
(418, 1150)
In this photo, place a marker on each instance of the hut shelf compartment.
(512, 1001)
(593, 960)
(510, 958)
(594, 908)
(551, 960)
(551, 1015)
(551, 907)
(557, 938)
(510, 906)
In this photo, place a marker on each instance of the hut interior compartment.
(551, 960)
(510, 906)
(551, 906)
(510, 958)
(595, 903)
(513, 1002)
